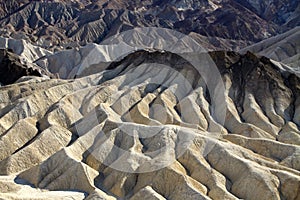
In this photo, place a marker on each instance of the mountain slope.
(69, 24)
(284, 48)
(12, 68)
(281, 12)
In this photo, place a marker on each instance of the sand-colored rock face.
(150, 126)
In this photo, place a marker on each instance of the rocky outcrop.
(152, 125)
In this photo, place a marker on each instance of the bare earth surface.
(151, 125)
(94, 106)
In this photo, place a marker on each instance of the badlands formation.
(218, 24)
(148, 114)
(283, 47)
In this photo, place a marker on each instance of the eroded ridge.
(147, 127)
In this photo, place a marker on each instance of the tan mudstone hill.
(152, 125)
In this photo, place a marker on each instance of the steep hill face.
(152, 125)
(12, 68)
(225, 24)
(284, 48)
